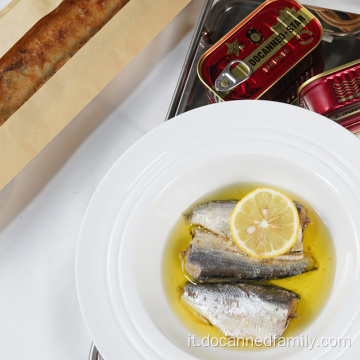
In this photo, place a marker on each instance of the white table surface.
(42, 208)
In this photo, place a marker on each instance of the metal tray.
(218, 18)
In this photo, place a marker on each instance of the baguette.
(47, 46)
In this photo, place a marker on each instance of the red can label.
(260, 55)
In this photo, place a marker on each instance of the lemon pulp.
(265, 223)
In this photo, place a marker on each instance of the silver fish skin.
(211, 257)
(243, 310)
(215, 217)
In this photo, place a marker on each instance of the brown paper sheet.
(62, 97)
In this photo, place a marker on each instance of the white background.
(42, 208)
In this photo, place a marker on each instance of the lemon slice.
(265, 223)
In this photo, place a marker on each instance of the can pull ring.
(230, 78)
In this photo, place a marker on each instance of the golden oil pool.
(314, 287)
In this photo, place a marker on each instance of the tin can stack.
(275, 53)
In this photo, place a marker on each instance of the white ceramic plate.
(120, 248)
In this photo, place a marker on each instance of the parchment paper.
(62, 97)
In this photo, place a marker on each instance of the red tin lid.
(260, 50)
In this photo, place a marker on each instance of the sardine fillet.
(241, 310)
(215, 217)
(211, 257)
(47, 46)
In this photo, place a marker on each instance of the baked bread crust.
(47, 46)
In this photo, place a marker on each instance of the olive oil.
(314, 287)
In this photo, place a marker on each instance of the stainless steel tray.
(219, 17)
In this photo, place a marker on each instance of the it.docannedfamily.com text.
(303, 341)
